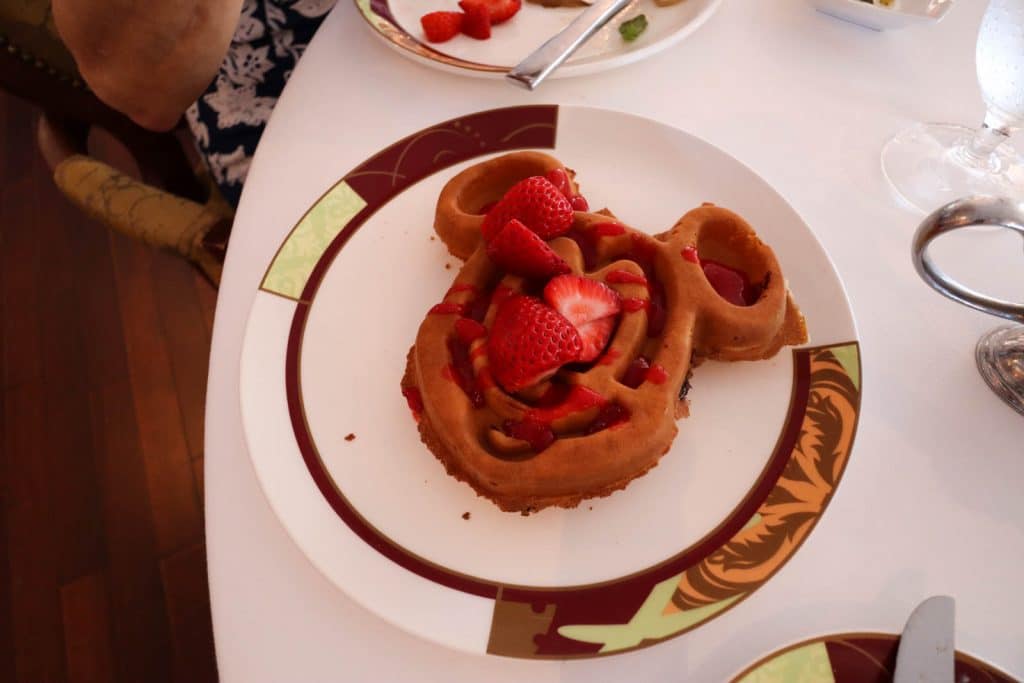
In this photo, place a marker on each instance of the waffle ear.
(466, 197)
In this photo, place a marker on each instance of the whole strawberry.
(535, 202)
(529, 342)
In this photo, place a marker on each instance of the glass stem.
(977, 152)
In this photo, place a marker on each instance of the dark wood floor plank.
(75, 493)
(141, 636)
(184, 577)
(86, 612)
(19, 264)
(7, 667)
(32, 539)
(188, 341)
(207, 300)
(168, 468)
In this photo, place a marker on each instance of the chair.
(175, 206)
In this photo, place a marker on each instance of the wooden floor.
(103, 355)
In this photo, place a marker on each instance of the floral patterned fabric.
(228, 119)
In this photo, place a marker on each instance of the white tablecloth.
(931, 501)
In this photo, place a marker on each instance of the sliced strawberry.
(595, 336)
(477, 21)
(517, 250)
(590, 305)
(441, 26)
(582, 300)
(537, 203)
(529, 342)
(499, 10)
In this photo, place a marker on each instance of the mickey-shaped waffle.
(558, 362)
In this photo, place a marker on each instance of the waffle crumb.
(350, 437)
(465, 515)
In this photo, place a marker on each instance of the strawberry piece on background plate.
(499, 10)
(529, 342)
(477, 22)
(536, 203)
(520, 251)
(441, 26)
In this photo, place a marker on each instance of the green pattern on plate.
(807, 664)
(850, 360)
(293, 264)
(649, 623)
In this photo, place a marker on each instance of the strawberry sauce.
(636, 373)
(730, 283)
(643, 253)
(609, 357)
(415, 401)
(624, 276)
(469, 330)
(460, 371)
(579, 398)
(446, 308)
(610, 416)
(537, 434)
(632, 304)
(657, 374)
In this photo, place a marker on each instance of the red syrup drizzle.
(632, 304)
(643, 254)
(730, 283)
(415, 401)
(578, 399)
(612, 415)
(609, 357)
(624, 276)
(460, 371)
(537, 434)
(657, 374)
(636, 373)
(446, 308)
(461, 287)
(469, 330)
(557, 402)
(642, 370)
(587, 240)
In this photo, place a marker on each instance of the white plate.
(325, 350)
(902, 14)
(397, 22)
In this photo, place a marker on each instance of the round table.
(931, 500)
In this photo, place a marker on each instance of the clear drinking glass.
(932, 164)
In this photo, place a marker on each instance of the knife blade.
(539, 64)
(926, 650)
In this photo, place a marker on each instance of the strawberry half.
(537, 204)
(590, 305)
(477, 21)
(518, 250)
(529, 342)
(441, 26)
(499, 10)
